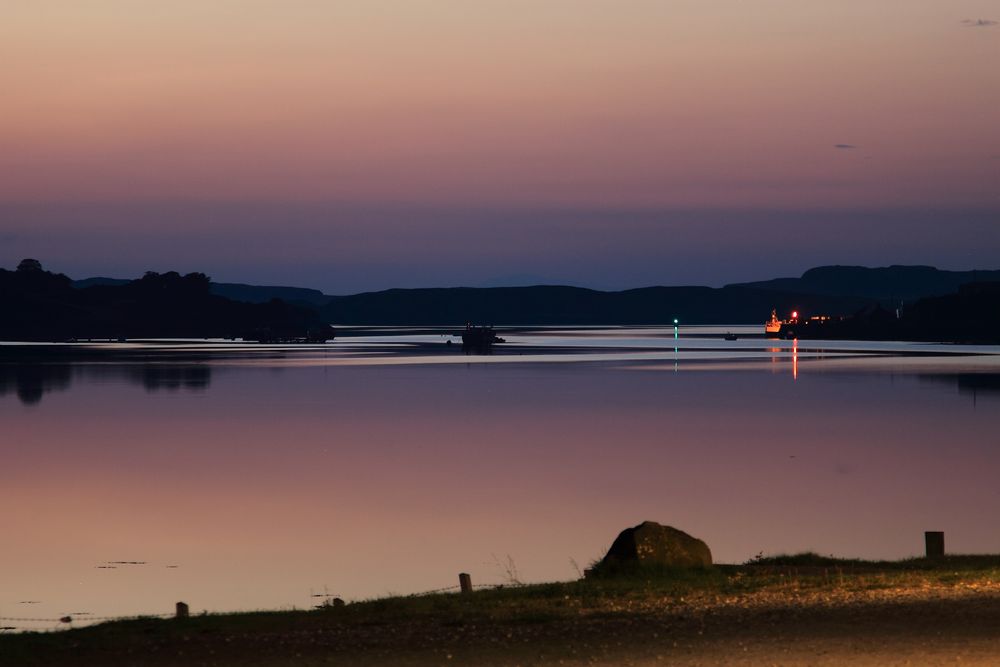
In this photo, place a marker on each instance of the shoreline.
(837, 612)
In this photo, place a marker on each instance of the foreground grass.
(620, 617)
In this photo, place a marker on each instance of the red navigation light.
(795, 314)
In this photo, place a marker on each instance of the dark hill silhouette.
(890, 284)
(971, 315)
(554, 305)
(100, 281)
(39, 305)
(236, 291)
(265, 293)
(829, 290)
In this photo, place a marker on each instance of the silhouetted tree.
(39, 305)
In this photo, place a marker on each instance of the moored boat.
(773, 325)
(479, 339)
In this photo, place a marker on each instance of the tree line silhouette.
(38, 305)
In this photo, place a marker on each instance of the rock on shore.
(650, 543)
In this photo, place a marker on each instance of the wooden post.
(182, 610)
(934, 541)
(465, 582)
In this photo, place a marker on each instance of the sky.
(366, 144)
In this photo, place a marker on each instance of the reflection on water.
(30, 382)
(970, 384)
(253, 481)
(979, 383)
(156, 377)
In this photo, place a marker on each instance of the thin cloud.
(979, 23)
(845, 147)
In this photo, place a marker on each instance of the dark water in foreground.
(244, 481)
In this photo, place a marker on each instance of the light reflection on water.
(368, 469)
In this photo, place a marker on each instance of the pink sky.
(493, 105)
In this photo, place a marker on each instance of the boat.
(479, 339)
(773, 325)
(775, 328)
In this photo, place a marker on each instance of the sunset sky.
(362, 144)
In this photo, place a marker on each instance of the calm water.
(249, 477)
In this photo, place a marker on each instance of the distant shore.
(798, 611)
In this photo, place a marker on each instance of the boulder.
(650, 543)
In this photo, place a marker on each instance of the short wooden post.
(182, 610)
(934, 541)
(465, 582)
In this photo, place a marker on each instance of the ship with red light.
(775, 328)
(773, 325)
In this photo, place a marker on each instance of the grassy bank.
(632, 617)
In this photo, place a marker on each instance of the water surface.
(256, 477)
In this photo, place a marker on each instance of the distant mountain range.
(970, 315)
(889, 285)
(831, 290)
(554, 305)
(237, 291)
